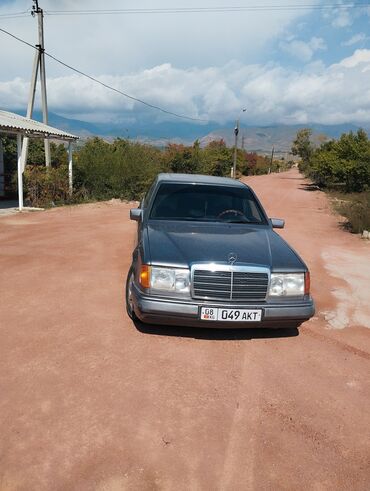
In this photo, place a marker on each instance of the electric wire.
(17, 38)
(15, 15)
(7, 17)
(181, 10)
(136, 99)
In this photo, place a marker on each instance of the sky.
(284, 66)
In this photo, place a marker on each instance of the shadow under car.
(216, 334)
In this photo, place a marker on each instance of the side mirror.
(277, 222)
(136, 214)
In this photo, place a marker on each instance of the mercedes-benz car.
(207, 256)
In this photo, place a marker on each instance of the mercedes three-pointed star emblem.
(232, 257)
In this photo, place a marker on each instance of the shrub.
(115, 170)
(343, 164)
(123, 169)
(356, 208)
(45, 186)
(217, 159)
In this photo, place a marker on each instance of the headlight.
(167, 279)
(287, 284)
(162, 279)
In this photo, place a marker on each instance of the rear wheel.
(129, 302)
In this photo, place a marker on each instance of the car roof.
(199, 179)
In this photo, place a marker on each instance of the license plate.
(230, 315)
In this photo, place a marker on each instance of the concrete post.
(31, 101)
(40, 17)
(20, 172)
(70, 169)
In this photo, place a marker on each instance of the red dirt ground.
(90, 402)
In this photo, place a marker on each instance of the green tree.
(343, 164)
(182, 159)
(303, 147)
(217, 159)
(36, 153)
(121, 169)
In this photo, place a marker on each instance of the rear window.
(202, 202)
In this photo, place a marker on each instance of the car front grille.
(231, 284)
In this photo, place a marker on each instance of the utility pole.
(272, 159)
(243, 142)
(236, 132)
(45, 119)
(38, 64)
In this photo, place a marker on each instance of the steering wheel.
(227, 212)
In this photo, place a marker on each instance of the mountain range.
(253, 138)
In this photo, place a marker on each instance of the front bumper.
(155, 310)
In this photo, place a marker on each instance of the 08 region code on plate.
(231, 315)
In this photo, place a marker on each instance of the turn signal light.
(145, 276)
(307, 283)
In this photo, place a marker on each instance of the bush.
(123, 169)
(217, 159)
(182, 159)
(343, 164)
(255, 164)
(115, 170)
(356, 208)
(45, 186)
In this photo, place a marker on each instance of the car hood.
(183, 243)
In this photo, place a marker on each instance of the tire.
(129, 305)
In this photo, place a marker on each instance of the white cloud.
(120, 44)
(357, 38)
(182, 63)
(340, 17)
(359, 57)
(335, 94)
(304, 51)
(345, 16)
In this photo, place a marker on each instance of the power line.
(7, 17)
(153, 106)
(158, 108)
(17, 38)
(15, 15)
(182, 10)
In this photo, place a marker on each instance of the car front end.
(221, 295)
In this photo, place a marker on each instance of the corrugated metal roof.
(13, 123)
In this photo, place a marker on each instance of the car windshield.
(206, 203)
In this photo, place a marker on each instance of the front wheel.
(129, 302)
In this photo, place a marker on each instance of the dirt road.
(90, 402)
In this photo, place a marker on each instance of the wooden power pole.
(38, 64)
